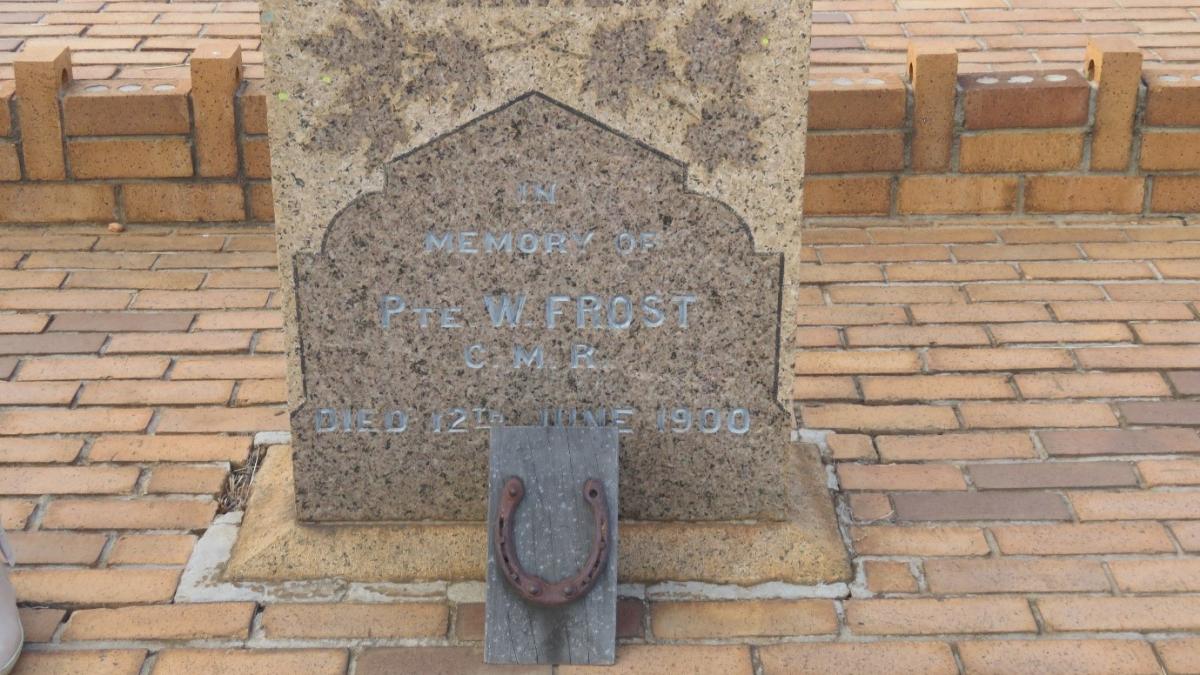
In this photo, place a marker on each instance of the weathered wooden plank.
(553, 531)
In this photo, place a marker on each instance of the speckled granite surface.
(678, 125)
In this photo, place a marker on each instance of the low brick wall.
(1110, 139)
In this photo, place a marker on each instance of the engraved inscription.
(563, 276)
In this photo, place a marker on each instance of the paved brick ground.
(119, 38)
(1016, 406)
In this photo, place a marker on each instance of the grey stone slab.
(633, 302)
(553, 534)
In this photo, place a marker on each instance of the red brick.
(324, 620)
(999, 312)
(968, 575)
(120, 113)
(89, 260)
(1066, 613)
(932, 70)
(1186, 382)
(858, 657)
(1014, 505)
(58, 203)
(1027, 291)
(1020, 415)
(210, 261)
(1121, 311)
(1010, 105)
(40, 72)
(1185, 413)
(93, 368)
(867, 507)
(1084, 194)
(18, 421)
(899, 477)
(1097, 505)
(850, 446)
(847, 254)
(1142, 250)
(233, 420)
(1060, 234)
(208, 342)
(26, 279)
(1170, 151)
(1168, 333)
(203, 299)
(745, 618)
(1053, 474)
(1142, 357)
(229, 620)
(35, 450)
(262, 392)
(844, 362)
(1016, 333)
(135, 279)
(64, 300)
(1180, 656)
(1090, 269)
(143, 514)
(1082, 539)
(1019, 152)
(956, 271)
(885, 576)
(172, 448)
(849, 316)
(161, 202)
(916, 336)
(1117, 68)
(804, 389)
(181, 661)
(934, 617)
(187, 479)
(1156, 576)
(947, 359)
(1091, 385)
(434, 660)
(61, 548)
(892, 295)
(106, 662)
(40, 624)
(91, 587)
(936, 387)
(1058, 656)
(233, 367)
(999, 445)
(847, 196)
(879, 418)
(37, 393)
(956, 194)
(852, 103)
(215, 71)
(31, 480)
(165, 157)
(1120, 441)
(152, 549)
(854, 152)
(1175, 194)
(919, 541)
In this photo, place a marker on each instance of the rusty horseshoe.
(531, 587)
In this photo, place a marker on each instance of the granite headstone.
(537, 268)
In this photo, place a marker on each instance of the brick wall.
(1110, 138)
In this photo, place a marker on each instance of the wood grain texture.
(553, 534)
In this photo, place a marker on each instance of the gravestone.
(547, 213)
(534, 267)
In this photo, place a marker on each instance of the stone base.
(273, 546)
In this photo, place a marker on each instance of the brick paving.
(134, 40)
(1016, 408)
